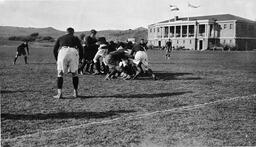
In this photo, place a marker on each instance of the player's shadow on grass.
(154, 95)
(176, 76)
(64, 115)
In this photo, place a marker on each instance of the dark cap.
(102, 40)
(93, 31)
(70, 30)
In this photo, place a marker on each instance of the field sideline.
(189, 79)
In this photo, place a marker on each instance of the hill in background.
(119, 35)
(7, 31)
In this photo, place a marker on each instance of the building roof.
(221, 17)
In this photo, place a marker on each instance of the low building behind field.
(205, 32)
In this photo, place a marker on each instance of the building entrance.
(159, 43)
(200, 45)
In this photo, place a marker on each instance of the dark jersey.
(21, 48)
(168, 44)
(138, 47)
(112, 47)
(91, 48)
(116, 56)
(90, 41)
(144, 46)
(70, 41)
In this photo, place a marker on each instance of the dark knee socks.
(59, 82)
(97, 66)
(75, 82)
(26, 59)
(91, 67)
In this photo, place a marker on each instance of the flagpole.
(188, 11)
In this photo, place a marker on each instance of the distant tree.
(13, 38)
(48, 38)
(34, 35)
(28, 38)
(21, 38)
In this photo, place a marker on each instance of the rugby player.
(113, 60)
(67, 51)
(141, 59)
(91, 49)
(102, 52)
(168, 48)
(21, 51)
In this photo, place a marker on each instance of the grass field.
(131, 113)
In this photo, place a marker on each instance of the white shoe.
(75, 95)
(58, 96)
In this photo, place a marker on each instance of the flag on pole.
(192, 6)
(174, 8)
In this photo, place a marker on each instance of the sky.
(84, 15)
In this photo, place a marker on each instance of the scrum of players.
(95, 56)
(122, 59)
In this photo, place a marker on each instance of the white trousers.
(68, 60)
(141, 57)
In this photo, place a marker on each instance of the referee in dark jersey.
(67, 51)
(21, 51)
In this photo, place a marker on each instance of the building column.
(187, 30)
(169, 32)
(195, 34)
(206, 30)
(174, 31)
(181, 31)
(195, 30)
(162, 32)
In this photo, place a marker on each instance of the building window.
(202, 30)
(224, 41)
(244, 26)
(230, 41)
(177, 41)
(191, 30)
(154, 30)
(157, 29)
(225, 26)
(184, 31)
(231, 26)
(183, 41)
(171, 31)
(178, 31)
(251, 30)
(190, 41)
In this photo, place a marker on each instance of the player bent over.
(67, 51)
(141, 59)
(21, 51)
(113, 60)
